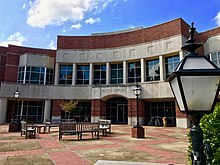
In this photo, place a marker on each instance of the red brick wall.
(3, 55)
(157, 32)
(132, 107)
(21, 50)
(178, 113)
(12, 60)
(98, 108)
(56, 109)
(10, 110)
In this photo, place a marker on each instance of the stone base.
(138, 132)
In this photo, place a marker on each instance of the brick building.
(100, 71)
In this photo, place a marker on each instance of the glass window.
(152, 70)
(82, 110)
(20, 78)
(31, 111)
(134, 72)
(34, 75)
(116, 73)
(82, 74)
(99, 74)
(215, 58)
(165, 109)
(65, 74)
(171, 64)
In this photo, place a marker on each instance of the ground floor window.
(117, 110)
(156, 111)
(31, 111)
(82, 112)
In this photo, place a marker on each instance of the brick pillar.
(10, 110)
(98, 110)
(56, 109)
(181, 119)
(132, 111)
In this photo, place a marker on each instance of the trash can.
(14, 125)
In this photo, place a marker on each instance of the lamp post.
(137, 92)
(195, 86)
(14, 125)
(16, 95)
(137, 130)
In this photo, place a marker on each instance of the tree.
(68, 105)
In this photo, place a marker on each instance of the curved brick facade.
(157, 32)
(139, 45)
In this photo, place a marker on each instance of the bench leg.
(97, 134)
(60, 136)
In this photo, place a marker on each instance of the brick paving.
(160, 145)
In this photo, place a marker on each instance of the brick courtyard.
(160, 145)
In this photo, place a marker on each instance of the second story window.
(171, 64)
(152, 70)
(66, 72)
(116, 73)
(215, 58)
(82, 74)
(134, 72)
(35, 75)
(99, 74)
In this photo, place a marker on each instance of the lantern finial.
(190, 45)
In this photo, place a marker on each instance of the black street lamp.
(137, 92)
(137, 130)
(195, 86)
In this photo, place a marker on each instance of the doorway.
(117, 110)
(122, 111)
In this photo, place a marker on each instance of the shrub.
(210, 124)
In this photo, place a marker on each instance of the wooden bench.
(104, 126)
(27, 130)
(73, 128)
(55, 122)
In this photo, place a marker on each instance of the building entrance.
(122, 111)
(117, 110)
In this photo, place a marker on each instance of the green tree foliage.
(210, 124)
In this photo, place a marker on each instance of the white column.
(25, 71)
(45, 75)
(162, 68)
(47, 110)
(90, 73)
(3, 110)
(124, 72)
(74, 74)
(181, 54)
(183, 123)
(107, 73)
(56, 76)
(142, 70)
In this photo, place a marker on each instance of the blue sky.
(37, 23)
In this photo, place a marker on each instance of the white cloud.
(51, 45)
(76, 26)
(217, 18)
(55, 12)
(92, 20)
(24, 6)
(14, 39)
(131, 26)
